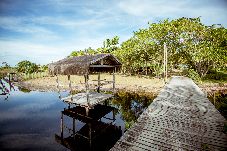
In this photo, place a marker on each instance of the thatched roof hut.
(85, 64)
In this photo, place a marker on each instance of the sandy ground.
(127, 83)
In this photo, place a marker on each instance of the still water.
(31, 120)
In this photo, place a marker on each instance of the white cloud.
(211, 12)
(147, 7)
(13, 51)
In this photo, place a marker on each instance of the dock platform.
(180, 118)
(82, 99)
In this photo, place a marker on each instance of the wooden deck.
(93, 98)
(180, 118)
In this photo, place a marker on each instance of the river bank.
(126, 83)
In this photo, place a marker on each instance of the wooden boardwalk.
(180, 118)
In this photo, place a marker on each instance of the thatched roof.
(84, 64)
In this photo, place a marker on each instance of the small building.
(86, 64)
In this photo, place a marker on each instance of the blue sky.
(43, 31)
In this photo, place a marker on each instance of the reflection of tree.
(131, 105)
(220, 99)
(5, 87)
(24, 90)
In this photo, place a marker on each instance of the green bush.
(192, 74)
(27, 67)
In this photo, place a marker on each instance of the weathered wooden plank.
(81, 98)
(180, 118)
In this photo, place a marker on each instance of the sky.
(43, 31)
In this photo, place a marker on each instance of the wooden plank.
(102, 66)
(180, 118)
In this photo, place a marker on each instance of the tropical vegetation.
(192, 47)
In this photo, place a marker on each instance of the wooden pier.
(180, 118)
(87, 99)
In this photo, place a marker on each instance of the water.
(30, 120)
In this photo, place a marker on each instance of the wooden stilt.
(70, 87)
(87, 87)
(59, 93)
(113, 114)
(90, 135)
(99, 84)
(87, 111)
(74, 128)
(113, 82)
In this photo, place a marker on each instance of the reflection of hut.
(94, 135)
(83, 65)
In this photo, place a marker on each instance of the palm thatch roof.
(85, 64)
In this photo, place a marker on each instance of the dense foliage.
(191, 46)
(26, 66)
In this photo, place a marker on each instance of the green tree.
(27, 67)
(110, 45)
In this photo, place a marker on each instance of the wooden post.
(62, 125)
(90, 135)
(99, 83)
(70, 87)
(113, 114)
(87, 87)
(59, 93)
(74, 128)
(165, 63)
(87, 111)
(214, 98)
(113, 82)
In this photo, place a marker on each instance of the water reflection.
(95, 134)
(131, 105)
(29, 120)
(219, 100)
(6, 86)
